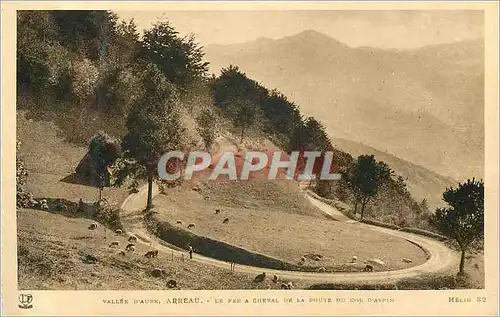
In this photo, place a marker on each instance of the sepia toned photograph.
(258, 150)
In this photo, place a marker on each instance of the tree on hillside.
(126, 90)
(281, 114)
(126, 43)
(365, 179)
(317, 134)
(309, 135)
(341, 163)
(463, 220)
(423, 206)
(104, 150)
(179, 58)
(320, 141)
(154, 125)
(207, 127)
(36, 37)
(300, 139)
(234, 84)
(244, 113)
(85, 77)
(85, 32)
(240, 96)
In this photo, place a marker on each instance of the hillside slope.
(423, 105)
(52, 253)
(52, 247)
(422, 183)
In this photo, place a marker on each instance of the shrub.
(106, 214)
(24, 198)
(85, 77)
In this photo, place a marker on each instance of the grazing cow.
(317, 257)
(114, 244)
(191, 225)
(171, 284)
(217, 211)
(156, 272)
(368, 268)
(179, 222)
(44, 205)
(284, 286)
(259, 278)
(118, 231)
(129, 246)
(89, 258)
(151, 254)
(226, 220)
(93, 226)
(132, 239)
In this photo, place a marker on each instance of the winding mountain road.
(441, 258)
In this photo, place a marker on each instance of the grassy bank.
(431, 282)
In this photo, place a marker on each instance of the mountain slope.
(421, 182)
(423, 105)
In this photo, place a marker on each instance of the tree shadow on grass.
(76, 180)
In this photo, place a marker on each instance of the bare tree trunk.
(149, 203)
(363, 204)
(462, 263)
(242, 133)
(83, 112)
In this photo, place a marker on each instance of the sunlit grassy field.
(286, 231)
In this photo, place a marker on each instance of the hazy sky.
(385, 29)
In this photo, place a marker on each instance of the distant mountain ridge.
(423, 105)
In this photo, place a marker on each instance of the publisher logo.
(25, 301)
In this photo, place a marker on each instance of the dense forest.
(87, 71)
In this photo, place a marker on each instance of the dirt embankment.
(215, 249)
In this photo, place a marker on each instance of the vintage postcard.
(249, 158)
